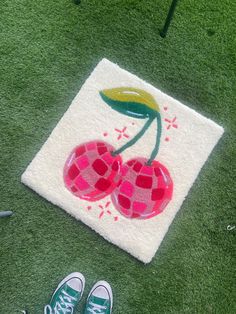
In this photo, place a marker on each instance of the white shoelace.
(96, 308)
(65, 300)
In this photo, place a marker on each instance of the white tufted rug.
(186, 141)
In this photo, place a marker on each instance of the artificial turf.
(47, 50)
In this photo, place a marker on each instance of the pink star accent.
(101, 214)
(122, 133)
(103, 209)
(171, 123)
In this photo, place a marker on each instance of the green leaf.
(130, 101)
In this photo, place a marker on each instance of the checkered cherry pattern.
(144, 191)
(91, 172)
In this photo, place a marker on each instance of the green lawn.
(47, 50)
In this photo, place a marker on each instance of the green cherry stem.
(134, 139)
(158, 139)
(140, 134)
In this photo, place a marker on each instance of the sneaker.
(67, 295)
(100, 299)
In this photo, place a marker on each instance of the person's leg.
(100, 299)
(67, 295)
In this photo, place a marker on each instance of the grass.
(47, 50)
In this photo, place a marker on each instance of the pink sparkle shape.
(167, 139)
(101, 214)
(171, 123)
(107, 204)
(105, 134)
(165, 108)
(121, 133)
(104, 211)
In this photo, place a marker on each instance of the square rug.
(98, 166)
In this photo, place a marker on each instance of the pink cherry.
(143, 191)
(91, 172)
